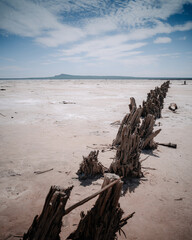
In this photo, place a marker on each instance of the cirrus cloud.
(53, 23)
(162, 40)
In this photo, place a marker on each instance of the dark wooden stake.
(155, 101)
(47, 226)
(90, 166)
(126, 163)
(104, 220)
(146, 133)
(132, 119)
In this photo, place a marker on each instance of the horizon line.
(70, 76)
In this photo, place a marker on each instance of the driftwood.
(65, 102)
(40, 172)
(90, 166)
(173, 107)
(47, 226)
(146, 133)
(2, 114)
(104, 220)
(116, 123)
(126, 162)
(171, 145)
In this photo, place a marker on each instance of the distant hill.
(68, 76)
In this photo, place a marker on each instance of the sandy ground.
(39, 132)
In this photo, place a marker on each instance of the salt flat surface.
(39, 132)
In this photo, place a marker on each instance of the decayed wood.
(104, 220)
(127, 142)
(132, 105)
(155, 101)
(90, 166)
(146, 133)
(40, 172)
(171, 145)
(132, 119)
(47, 226)
(116, 123)
(152, 106)
(126, 162)
(68, 210)
(2, 114)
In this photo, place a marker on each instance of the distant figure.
(184, 82)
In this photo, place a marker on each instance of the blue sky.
(96, 37)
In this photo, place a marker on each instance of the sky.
(140, 38)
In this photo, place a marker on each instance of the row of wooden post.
(155, 100)
(134, 135)
(105, 219)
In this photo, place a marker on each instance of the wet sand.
(39, 132)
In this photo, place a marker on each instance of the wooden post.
(132, 105)
(104, 220)
(155, 100)
(146, 133)
(47, 226)
(90, 166)
(132, 119)
(126, 163)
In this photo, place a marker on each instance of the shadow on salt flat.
(131, 184)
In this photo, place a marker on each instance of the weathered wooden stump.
(146, 133)
(47, 226)
(90, 166)
(104, 220)
(132, 119)
(132, 105)
(126, 163)
(152, 106)
(155, 101)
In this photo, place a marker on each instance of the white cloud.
(162, 40)
(104, 34)
(99, 25)
(61, 35)
(159, 28)
(105, 48)
(24, 18)
(55, 22)
(120, 45)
